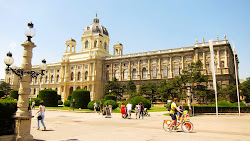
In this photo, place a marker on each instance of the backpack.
(169, 107)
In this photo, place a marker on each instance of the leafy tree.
(5, 87)
(131, 88)
(229, 93)
(113, 87)
(245, 89)
(148, 89)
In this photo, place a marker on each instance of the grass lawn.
(117, 110)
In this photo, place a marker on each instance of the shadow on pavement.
(48, 130)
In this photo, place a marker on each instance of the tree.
(229, 93)
(131, 88)
(193, 77)
(113, 87)
(149, 89)
(245, 89)
(5, 87)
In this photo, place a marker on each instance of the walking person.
(129, 109)
(136, 110)
(33, 104)
(73, 104)
(41, 115)
(101, 107)
(122, 110)
(141, 110)
(95, 106)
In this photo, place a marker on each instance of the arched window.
(107, 76)
(72, 76)
(134, 74)
(144, 73)
(56, 89)
(79, 76)
(125, 74)
(87, 44)
(9, 79)
(41, 79)
(105, 45)
(52, 79)
(117, 74)
(165, 71)
(86, 75)
(78, 87)
(176, 70)
(46, 79)
(57, 78)
(70, 90)
(100, 44)
(85, 87)
(95, 43)
(34, 91)
(154, 72)
(35, 79)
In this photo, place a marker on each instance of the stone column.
(129, 70)
(139, 70)
(204, 60)
(149, 69)
(182, 63)
(120, 71)
(171, 68)
(226, 71)
(159, 76)
(23, 116)
(218, 61)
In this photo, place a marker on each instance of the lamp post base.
(23, 124)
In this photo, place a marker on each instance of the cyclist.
(173, 112)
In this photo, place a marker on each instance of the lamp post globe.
(8, 60)
(43, 65)
(30, 31)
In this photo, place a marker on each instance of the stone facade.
(92, 67)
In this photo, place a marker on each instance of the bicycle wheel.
(187, 127)
(165, 125)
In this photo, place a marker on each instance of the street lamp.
(23, 116)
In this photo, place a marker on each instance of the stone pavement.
(69, 126)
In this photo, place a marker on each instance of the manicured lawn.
(65, 108)
(158, 109)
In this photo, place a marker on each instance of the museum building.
(92, 67)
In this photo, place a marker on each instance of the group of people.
(126, 110)
(106, 111)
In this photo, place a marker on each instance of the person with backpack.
(173, 111)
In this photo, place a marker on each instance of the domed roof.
(95, 27)
(117, 43)
(70, 39)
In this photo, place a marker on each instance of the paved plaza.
(66, 126)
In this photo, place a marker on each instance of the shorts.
(179, 114)
(173, 116)
(129, 112)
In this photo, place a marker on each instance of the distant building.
(92, 67)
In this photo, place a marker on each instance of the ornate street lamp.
(23, 116)
(19, 72)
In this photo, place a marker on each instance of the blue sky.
(139, 25)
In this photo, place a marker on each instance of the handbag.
(39, 117)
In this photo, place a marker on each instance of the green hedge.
(110, 97)
(135, 100)
(59, 97)
(67, 103)
(212, 109)
(91, 103)
(2, 93)
(82, 98)
(14, 94)
(8, 108)
(49, 97)
(37, 101)
(124, 103)
(111, 102)
(70, 97)
(60, 102)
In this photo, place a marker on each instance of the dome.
(70, 39)
(117, 43)
(95, 28)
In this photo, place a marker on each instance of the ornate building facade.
(92, 67)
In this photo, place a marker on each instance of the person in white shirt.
(41, 112)
(129, 109)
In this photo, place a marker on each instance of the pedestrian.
(95, 107)
(101, 107)
(141, 110)
(122, 110)
(129, 109)
(41, 115)
(33, 104)
(73, 104)
(136, 110)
